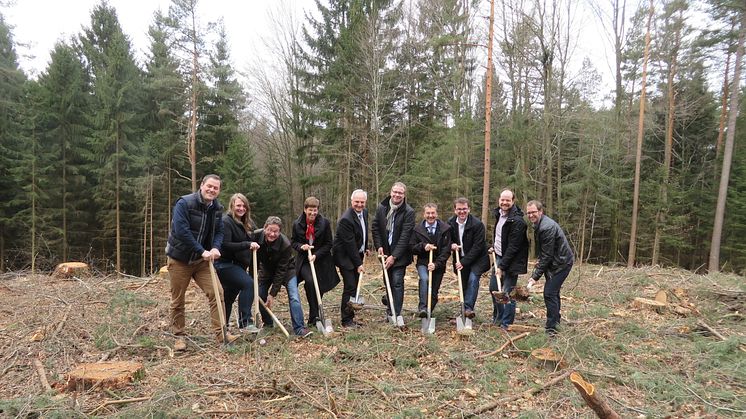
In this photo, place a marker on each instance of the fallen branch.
(231, 412)
(119, 401)
(311, 400)
(711, 330)
(61, 323)
(42, 374)
(592, 398)
(245, 391)
(505, 345)
(490, 406)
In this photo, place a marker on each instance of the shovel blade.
(459, 324)
(431, 326)
(392, 320)
(463, 326)
(399, 321)
(328, 327)
(320, 327)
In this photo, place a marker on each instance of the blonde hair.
(245, 220)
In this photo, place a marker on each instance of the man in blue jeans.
(554, 261)
(468, 238)
(510, 247)
(277, 268)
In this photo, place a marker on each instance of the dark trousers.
(350, 279)
(235, 279)
(313, 303)
(552, 297)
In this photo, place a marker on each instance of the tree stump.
(592, 398)
(648, 304)
(548, 359)
(105, 374)
(661, 297)
(70, 269)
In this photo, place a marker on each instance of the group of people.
(201, 234)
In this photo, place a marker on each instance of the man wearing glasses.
(468, 238)
(554, 261)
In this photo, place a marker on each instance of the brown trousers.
(180, 274)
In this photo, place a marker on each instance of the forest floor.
(642, 362)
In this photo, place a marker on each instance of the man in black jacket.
(433, 235)
(313, 231)
(392, 228)
(554, 260)
(194, 241)
(468, 237)
(350, 245)
(275, 258)
(511, 254)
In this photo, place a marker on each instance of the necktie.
(431, 230)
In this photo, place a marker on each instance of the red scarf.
(310, 233)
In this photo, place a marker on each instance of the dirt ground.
(687, 359)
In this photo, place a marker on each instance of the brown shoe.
(180, 345)
(229, 338)
(469, 314)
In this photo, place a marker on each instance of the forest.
(361, 93)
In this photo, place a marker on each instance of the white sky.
(38, 24)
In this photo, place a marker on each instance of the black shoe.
(422, 314)
(312, 322)
(352, 324)
(385, 301)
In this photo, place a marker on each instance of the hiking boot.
(469, 314)
(422, 314)
(180, 345)
(304, 333)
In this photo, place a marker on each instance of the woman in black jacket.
(236, 258)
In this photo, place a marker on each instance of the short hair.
(401, 185)
(273, 219)
(507, 190)
(311, 202)
(430, 205)
(358, 191)
(460, 200)
(535, 202)
(210, 176)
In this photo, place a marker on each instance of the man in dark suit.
(468, 237)
(392, 228)
(350, 244)
(434, 235)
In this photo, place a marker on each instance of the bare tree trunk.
(724, 106)
(660, 216)
(117, 180)
(717, 230)
(152, 255)
(488, 118)
(638, 155)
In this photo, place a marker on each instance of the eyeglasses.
(532, 212)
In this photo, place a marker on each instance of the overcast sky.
(39, 24)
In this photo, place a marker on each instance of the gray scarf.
(390, 215)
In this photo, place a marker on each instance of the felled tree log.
(70, 269)
(592, 398)
(648, 304)
(105, 374)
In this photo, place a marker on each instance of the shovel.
(392, 318)
(274, 318)
(428, 323)
(323, 324)
(499, 295)
(358, 302)
(463, 323)
(217, 289)
(255, 306)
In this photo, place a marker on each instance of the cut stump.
(648, 304)
(548, 359)
(661, 297)
(70, 269)
(592, 398)
(105, 374)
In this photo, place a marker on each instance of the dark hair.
(539, 206)
(460, 200)
(210, 176)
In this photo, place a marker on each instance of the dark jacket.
(514, 242)
(553, 252)
(326, 273)
(195, 227)
(237, 241)
(348, 239)
(403, 226)
(275, 261)
(441, 239)
(474, 244)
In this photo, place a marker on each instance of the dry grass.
(645, 363)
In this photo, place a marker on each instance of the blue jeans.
(437, 279)
(552, 297)
(296, 309)
(396, 278)
(470, 282)
(236, 280)
(504, 314)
